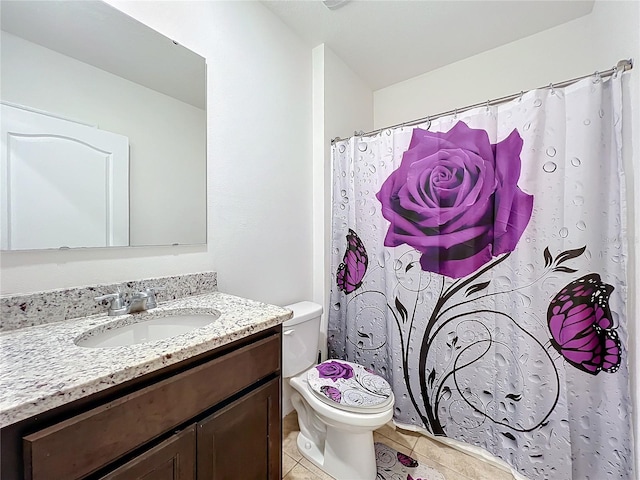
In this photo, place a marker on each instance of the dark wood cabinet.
(215, 416)
(223, 453)
(173, 459)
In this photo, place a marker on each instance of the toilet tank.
(300, 336)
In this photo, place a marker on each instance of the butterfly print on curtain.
(581, 327)
(354, 264)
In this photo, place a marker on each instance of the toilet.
(339, 403)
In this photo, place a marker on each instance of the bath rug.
(393, 465)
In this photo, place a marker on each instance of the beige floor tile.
(446, 472)
(390, 443)
(315, 470)
(299, 472)
(290, 431)
(287, 463)
(290, 447)
(405, 438)
(458, 461)
(489, 472)
(290, 424)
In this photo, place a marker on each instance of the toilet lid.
(349, 386)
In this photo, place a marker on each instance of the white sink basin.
(147, 329)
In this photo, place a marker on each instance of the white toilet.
(339, 403)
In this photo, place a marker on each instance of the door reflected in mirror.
(103, 130)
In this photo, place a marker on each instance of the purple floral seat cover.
(349, 385)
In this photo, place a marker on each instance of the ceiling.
(386, 42)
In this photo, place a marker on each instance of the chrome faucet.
(119, 304)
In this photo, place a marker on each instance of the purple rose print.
(335, 370)
(455, 198)
(332, 393)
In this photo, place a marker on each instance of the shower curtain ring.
(615, 71)
(487, 105)
(521, 95)
(597, 77)
(455, 113)
(553, 92)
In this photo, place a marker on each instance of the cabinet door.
(173, 459)
(243, 440)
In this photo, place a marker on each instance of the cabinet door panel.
(173, 459)
(243, 440)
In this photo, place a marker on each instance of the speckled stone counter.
(42, 368)
(19, 311)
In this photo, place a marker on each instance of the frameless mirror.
(103, 130)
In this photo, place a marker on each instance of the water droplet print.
(576, 162)
(551, 152)
(581, 226)
(564, 232)
(342, 148)
(537, 103)
(362, 147)
(587, 122)
(549, 167)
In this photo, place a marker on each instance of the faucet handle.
(151, 294)
(114, 300)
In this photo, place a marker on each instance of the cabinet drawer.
(173, 459)
(84, 443)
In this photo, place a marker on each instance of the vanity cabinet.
(216, 416)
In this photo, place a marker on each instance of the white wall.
(259, 164)
(594, 42)
(342, 103)
(166, 136)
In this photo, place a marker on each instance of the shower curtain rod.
(621, 66)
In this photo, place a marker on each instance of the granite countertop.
(41, 367)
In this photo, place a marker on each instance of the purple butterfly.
(581, 327)
(354, 264)
(407, 461)
(332, 393)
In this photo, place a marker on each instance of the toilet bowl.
(339, 403)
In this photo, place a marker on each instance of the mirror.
(103, 130)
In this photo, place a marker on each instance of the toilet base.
(347, 456)
(337, 441)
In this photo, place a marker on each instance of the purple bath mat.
(393, 465)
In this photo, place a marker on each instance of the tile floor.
(453, 464)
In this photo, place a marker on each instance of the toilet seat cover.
(348, 385)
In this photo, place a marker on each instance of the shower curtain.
(478, 264)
